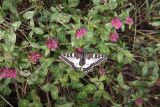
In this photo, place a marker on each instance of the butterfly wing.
(92, 60)
(71, 59)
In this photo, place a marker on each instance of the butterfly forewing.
(93, 60)
(71, 59)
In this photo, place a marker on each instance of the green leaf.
(128, 57)
(46, 87)
(31, 23)
(2, 34)
(38, 30)
(95, 79)
(82, 95)
(10, 5)
(102, 78)
(155, 70)
(90, 88)
(139, 84)
(43, 69)
(108, 27)
(16, 25)
(127, 53)
(74, 76)
(155, 23)
(120, 78)
(100, 85)
(123, 28)
(28, 15)
(73, 3)
(60, 17)
(98, 93)
(34, 45)
(89, 37)
(7, 81)
(6, 90)
(64, 78)
(77, 85)
(69, 104)
(6, 4)
(2, 59)
(7, 56)
(57, 72)
(1, 18)
(116, 105)
(120, 57)
(112, 4)
(45, 63)
(106, 95)
(151, 63)
(158, 44)
(10, 40)
(11, 37)
(103, 48)
(125, 13)
(144, 70)
(24, 103)
(96, 2)
(54, 92)
(35, 104)
(121, 81)
(54, 9)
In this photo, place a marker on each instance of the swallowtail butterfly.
(83, 62)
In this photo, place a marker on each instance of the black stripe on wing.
(64, 59)
(95, 63)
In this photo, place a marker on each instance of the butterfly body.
(83, 62)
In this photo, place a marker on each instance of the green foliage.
(28, 15)
(121, 81)
(54, 92)
(73, 3)
(130, 72)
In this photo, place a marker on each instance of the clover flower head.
(34, 56)
(139, 101)
(81, 32)
(8, 73)
(116, 23)
(129, 21)
(79, 50)
(114, 37)
(52, 43)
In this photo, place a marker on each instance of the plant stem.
(6, 101)
(49, 102)
(17, 92)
